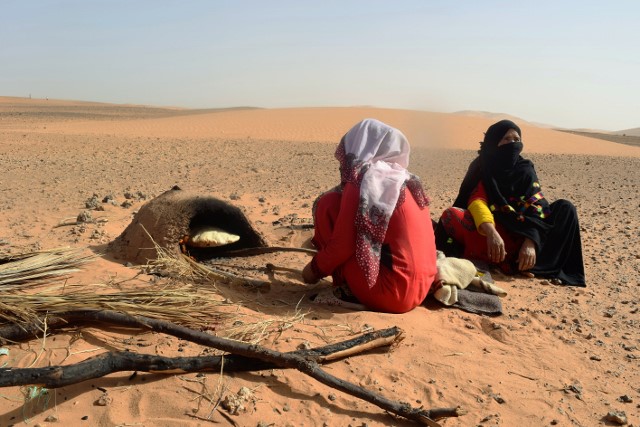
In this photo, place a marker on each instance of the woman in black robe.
(501, 216)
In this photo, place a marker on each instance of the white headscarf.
(385, 152)
(375, 156)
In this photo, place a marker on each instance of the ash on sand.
(176, 213)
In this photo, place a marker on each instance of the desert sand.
(558, 355)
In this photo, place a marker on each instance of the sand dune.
(424, 129)
(630, 132)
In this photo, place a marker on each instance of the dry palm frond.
(35, 267)
(178, 303)
(183, 304)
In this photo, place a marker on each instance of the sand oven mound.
(175, 214)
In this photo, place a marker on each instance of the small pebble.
(618, 417)
(498, 398)
(103, 400)
(305, 345)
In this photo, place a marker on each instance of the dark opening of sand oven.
(175, 215)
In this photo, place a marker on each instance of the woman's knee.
(446, 235)
(327, 205)
(564, 205)
(325, 213)
(449, 213)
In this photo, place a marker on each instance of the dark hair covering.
(497, 167)
(497, 131)
(517, 203)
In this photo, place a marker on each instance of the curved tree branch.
(293, 360)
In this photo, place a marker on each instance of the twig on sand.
(257, 283)
(271, 268)
(268, 250)
(523, 376)
(67, 222)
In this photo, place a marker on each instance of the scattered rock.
(236, 403)
(618, 417)
(84, 216)
(305, 345)
(92, 202)
(625, 399)
(498, 398)
(487, 418)
(103, 400)
(96, 235)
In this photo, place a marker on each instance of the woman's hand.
(309, 276)
(495, 244)
(527, 255)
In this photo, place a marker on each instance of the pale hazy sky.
(573, 63)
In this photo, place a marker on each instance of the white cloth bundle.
(457, 273)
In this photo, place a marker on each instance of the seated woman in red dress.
(373, 232)
(501, 216)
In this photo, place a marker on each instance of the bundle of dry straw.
(36, 267)
(26, 293)
(188, 296)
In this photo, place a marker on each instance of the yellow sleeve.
(480, 213)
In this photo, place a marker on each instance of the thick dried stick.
(110, 362)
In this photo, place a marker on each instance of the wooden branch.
(282, 360)
(267, 250)
(271, 268)
(15, 332)
(225, 275)
(110, 362)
